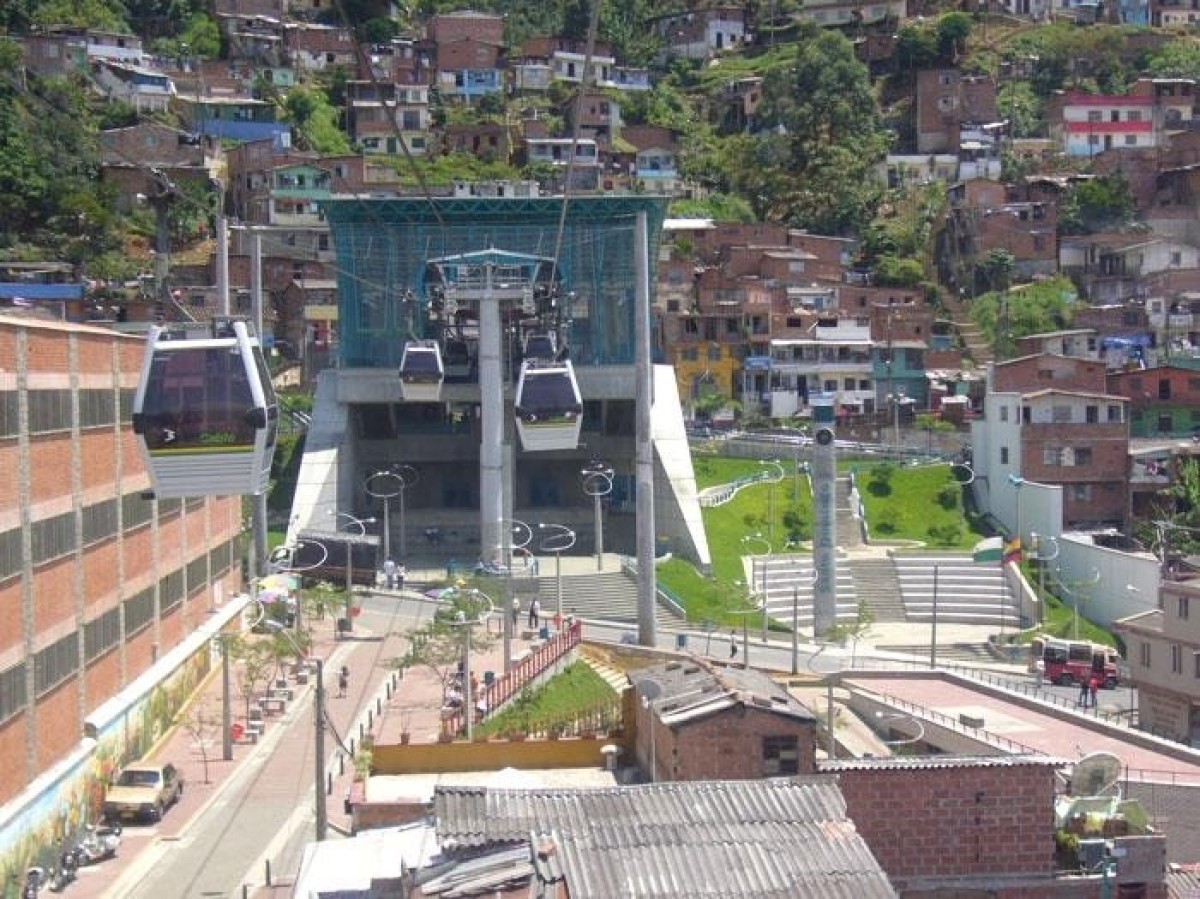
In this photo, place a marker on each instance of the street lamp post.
(460, 620)
(517, 535)
(385, 484)
(318, 733)
(653, 748)
(1018, 482)
(598, 483)
(1073, 589)
(361, 524)
(1036, 540)
(765, 557)
(557, 539)
(286, 564)
(772, 479)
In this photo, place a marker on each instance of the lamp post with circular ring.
(1073, 589)
(461, 620)
(765, 558)
(598, 483)
(772, 478)
(283, 561)
(517, 535)
(557, 539)
(1038, 542)
(361, 524)
(392, 481)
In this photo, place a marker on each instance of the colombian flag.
(1012, 550)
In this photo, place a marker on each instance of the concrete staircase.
(790, 579)
(974, 343)
(966, 593)
(601, 596)
(849, 530)
(876, 584)
(618, 680)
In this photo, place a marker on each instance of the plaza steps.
(877, 585)
(618, 680)
(790, 578)
(946, 652)
(849, 529)
(600, 596)
(967, 593)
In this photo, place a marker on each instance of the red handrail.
(513, 681)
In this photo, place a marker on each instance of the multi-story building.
(98, 581)
(948, 99)
(1049, 419)
(1163, 647)
(1088, 124)
(381, 114)
(1163, 402)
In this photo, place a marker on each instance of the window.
(1092, 414)
(1052, 456)
(1144, 656)
(1183, 608)
(1003, 412)
(1176, 659)
(1114, 414)
(1004, 455)
(1083, 456)
(1164, 388)
(781, 755)
(1196, 664)
(1095, 115)
(1081, 493)
(1060, 415)
(12, 691)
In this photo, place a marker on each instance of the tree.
(953, 29)
(853, 631)
(1100, 204)
(201, 722)
(813, 161)
(315, 122)
(256, 665)
(997, 268)
(438, 645)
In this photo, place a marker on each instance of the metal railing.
(523, 672)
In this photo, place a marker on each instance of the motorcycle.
(67, 870)
(35, 879)
(99, 843)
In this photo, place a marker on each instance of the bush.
(947, 497)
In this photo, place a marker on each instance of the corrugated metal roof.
(692, 689)
(832, 766)
(761, 838)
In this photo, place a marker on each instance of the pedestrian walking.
(1040, 670)
(343, 681)
(389, 574)
(732, 645)
(535, 609)
(1093, 688)
(1084, 691)
(516, 611)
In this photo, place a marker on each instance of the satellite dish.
(1096, 774)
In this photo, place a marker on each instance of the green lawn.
(922, 503)
(576, 689)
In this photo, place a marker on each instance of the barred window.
(220, 559)
(95, 408)
(139, 611)
(49, 410)
(192, 503)
(169, 508)
(170, 592)
(101, 634)
(197, 573)
(781, 755)
(55, 664)
(9, 427)
(135, 510)
(10, 554)
(99, 521)
(13, 697)
(127, 397)
(53, 537)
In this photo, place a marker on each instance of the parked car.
(143, 791)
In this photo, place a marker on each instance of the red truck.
(1070, 662)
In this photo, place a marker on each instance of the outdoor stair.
(618, 680)
(849, 529)
(877, 586)
(946, 652)
(967, 593)
(599, 596)
(790, 578)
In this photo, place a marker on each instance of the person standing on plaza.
(401, 573)
(1084, 691)
(732, 645)
(516, 611)
(1093, 688)
(343, 681)
(389, 574)
(535, 610)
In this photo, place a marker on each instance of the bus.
(1068, 662)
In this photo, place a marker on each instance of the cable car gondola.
(540, 345)
(205, 413)
(421, 372)
(457, 359)
(549, 409)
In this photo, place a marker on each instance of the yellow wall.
(491, 755)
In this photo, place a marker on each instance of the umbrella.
(283, 583)
(271, 596)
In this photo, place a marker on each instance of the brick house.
(1112, 267)
(946, 100)
(982, 217)
(318, 48)
(382, 114)
(701, 721)
(466, 24)
(1050, 419)
(488, 141)
(701, 33)
(1163, 402)
(126, 154)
